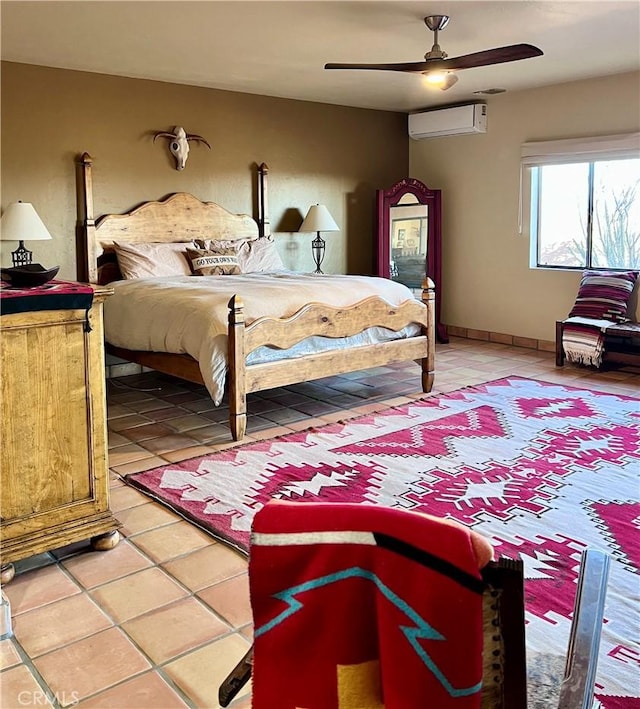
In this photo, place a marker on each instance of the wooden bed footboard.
(313, 319)
(325, 321)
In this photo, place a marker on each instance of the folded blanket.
(365, 606)
(583, 340)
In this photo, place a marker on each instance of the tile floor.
(158, 621)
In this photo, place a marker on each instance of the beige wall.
(316, 153)
(486, 280)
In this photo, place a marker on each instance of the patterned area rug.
(540, 469)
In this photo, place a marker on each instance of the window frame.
(536, 155)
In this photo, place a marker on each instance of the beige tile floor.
(159, 620)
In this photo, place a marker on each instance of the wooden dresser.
(54, 471)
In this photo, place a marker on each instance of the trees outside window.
(586, 215)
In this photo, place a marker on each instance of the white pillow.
(153, 259)
(260, 255)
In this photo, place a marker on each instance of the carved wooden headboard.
(179, 217)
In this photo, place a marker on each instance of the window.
(585, 202)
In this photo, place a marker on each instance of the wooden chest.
(55, 486)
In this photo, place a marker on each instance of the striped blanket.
(583, 340)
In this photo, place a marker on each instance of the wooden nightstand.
(55, 483)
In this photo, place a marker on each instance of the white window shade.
(573, 150)
(555, 152)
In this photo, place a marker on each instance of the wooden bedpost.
(428, 362)
(236, 373)
(87, 267)
(264, 227)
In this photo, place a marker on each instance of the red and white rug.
(542, 470)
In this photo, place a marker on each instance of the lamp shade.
(20, 222)
(318, 219)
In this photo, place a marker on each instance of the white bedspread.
(189, 315)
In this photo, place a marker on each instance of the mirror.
(408, 229)
(409, 238)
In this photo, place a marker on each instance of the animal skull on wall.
(179, 144)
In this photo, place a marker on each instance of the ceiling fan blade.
(416, 67)
(499, 55)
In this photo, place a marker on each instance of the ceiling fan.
(438, 68)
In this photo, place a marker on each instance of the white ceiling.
(280, 48)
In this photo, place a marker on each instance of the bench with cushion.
(621, 343)
(602, 326)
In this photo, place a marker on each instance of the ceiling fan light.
(449, 81)
(435, 77)
(440, 79)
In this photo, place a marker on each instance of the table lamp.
(20, 222)
(318, 219)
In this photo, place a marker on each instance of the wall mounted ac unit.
(453, 120)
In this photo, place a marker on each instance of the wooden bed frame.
(182, 217)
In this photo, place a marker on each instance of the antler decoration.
(179, 144)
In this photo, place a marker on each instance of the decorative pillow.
(254, 255)
(604, 295)
(217, 244)
(213, 262)
(152, 259)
